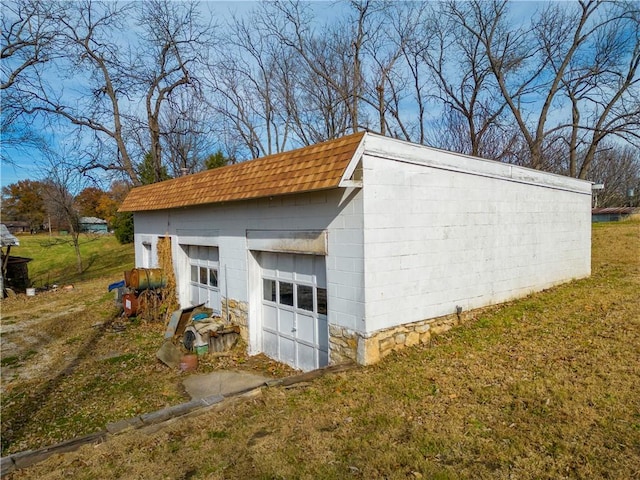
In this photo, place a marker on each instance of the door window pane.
(286, 293)
(203, 275)
(213, 277)
(269, 287)
(322, 300)
(305, 297)
(194, 273)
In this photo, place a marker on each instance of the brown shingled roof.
(317, 167)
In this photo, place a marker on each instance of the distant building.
(93, 225)
(14, 272)
(612, 214)
(17, 226)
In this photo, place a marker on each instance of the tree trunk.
(75, 236)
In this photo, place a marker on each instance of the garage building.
(355, 247)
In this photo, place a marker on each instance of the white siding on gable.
(437, 239)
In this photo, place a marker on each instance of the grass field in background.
(54, 258)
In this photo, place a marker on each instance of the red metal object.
(189, 362)
(130, 304)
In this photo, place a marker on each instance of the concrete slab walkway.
(222, 383)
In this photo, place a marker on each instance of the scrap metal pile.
(196, 329)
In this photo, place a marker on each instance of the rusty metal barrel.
(147, 278)
(130, 304)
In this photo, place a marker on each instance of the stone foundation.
(346, 345)
(236, 312)
(343, 345)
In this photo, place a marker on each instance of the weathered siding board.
(436, 238)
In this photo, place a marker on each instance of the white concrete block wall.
(436, 238)
(429, 230)
(339, 212)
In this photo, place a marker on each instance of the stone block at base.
(367, 350)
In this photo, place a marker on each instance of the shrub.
(123, 227)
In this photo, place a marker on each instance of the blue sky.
(12, 174)
(25, 165)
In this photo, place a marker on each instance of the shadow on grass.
(32, 401)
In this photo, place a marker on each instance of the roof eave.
(158, 208)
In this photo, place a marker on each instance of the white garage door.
(294, 310)
(203, 275)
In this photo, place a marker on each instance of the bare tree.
(381, 82)
(138, 82)
(175, 45)
(536, 63)
(100, 76)
(85, 36)
(409, 89)
(249, 84)
(27, 33)
(601, 82)
(187, 133)
(282, 83)
(331, 63)
(28, 30)
(327, 108)
(618, 169)
(470, 95)
(62, 178)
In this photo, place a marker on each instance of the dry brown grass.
(544, 387)
(69, 368)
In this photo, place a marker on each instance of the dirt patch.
(36, 338)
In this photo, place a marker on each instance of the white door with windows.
(294, 309)
(204, 265)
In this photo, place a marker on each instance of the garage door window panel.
(286, 293)
(295, 309)
(213, 277)
(204, 276)
(305, 297)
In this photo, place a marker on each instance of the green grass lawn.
(54, 258)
